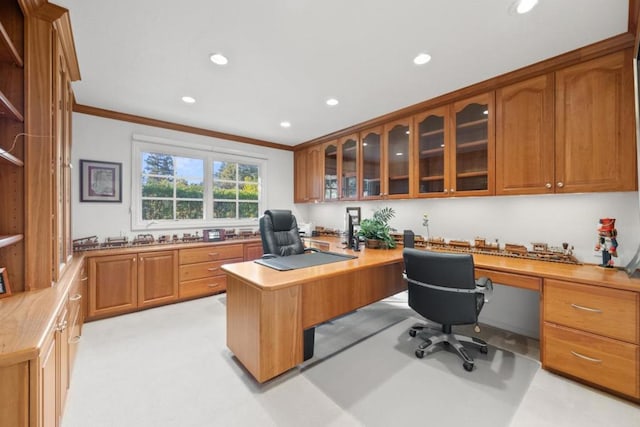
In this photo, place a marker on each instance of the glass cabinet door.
(349, 168)
(473, 144)
(331, 171)
(431, 137)
(371, 141)
(397, 139)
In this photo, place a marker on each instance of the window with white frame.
(175, 187)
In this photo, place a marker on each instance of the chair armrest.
(484, 285)
(269, 256)
(311, 250)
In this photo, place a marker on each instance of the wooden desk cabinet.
(200, 272)
(592, 333)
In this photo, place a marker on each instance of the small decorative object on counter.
(115, 242)
(143, 239)
(607, 241)
(213, 235)
(85, 243)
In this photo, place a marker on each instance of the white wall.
(97, 138)
(553, 219)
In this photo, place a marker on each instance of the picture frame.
(355, 215)
(5, 288)
(100, 181)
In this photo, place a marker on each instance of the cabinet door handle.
(580, 307)
(62, 326)
(453, 190)
(445, 191)
(212, 269)
(84, 279)
(548, 185)
(212, 285)
(74, 340)
(213, 254)
(582, 356)
(75, 297)
(560, 184)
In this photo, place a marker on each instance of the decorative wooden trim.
(604, 47)
(65, 34)
(634, 10)
(109, 114)
(13, 54)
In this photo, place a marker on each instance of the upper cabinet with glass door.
(432, 141)
(371, 164)
(330, 176)
(397, 137)
(348, 167)
(472, 164)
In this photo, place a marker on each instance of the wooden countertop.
(154, 247)
(270, 279)
(27, 317)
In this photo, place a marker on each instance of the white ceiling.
(288, 56)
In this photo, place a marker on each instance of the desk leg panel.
(264, 328)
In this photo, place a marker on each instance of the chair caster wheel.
(419, 354)
(413, 332)
(468, 366)
(446, 343)
(484, 349)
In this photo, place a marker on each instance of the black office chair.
(279, 233)
(442, 288)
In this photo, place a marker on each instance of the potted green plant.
(376, 230)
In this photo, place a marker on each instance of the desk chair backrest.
(279, 232)
(455, 271)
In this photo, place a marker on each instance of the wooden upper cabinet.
(471, 160)
(314, 173)
(300, 176)
(348, 167)
(330, 174)
(595, 132)
(431, 144)
(371, 164)
(525, 137)
(397, 159)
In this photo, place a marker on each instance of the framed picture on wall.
(100, 181)
(5, 289)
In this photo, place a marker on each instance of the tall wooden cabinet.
(308, 175)
(371, 163)
(432, 146)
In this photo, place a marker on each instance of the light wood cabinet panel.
(14, 395)
(595, 132)
(525, 155)
(204, 286)
(47, 383)
(300, 177)
(252, 251)
(157, 278)
(62, 362)
(210, 253)
(112, 284)
(599, 360)
(314, 173)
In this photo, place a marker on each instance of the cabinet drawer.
(210, 253)
(609, 312)
(203, 269)
(200, 287)
(517, 280)
(603, 361)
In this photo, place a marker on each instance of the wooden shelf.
(10, 239)
(431, 178)
(471, 174)
(10, 158)
(471, 146)
(398, 177)
(433, 132)
(9, 53)
(432, 152)
(8, 110)
(472, 123)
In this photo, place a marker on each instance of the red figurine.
(607, 241)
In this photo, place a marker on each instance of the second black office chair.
(442, 288)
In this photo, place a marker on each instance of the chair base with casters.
(449, 339)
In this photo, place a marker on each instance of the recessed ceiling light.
(285, 124)
(332, 102)
(188, 100)
(219, 59)
(421, 59)
(524, 6)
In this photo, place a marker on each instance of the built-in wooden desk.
(583, 311)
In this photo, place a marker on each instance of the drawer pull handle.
(213, 254)
(212, 269)
(75, 340)
(593, 310)
(84, 279)
(75, 297)
(582, 356)
(212, 285)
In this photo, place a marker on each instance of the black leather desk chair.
(442, 288)
(279, 233)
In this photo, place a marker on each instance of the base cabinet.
(113, 283)
(592, 333)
